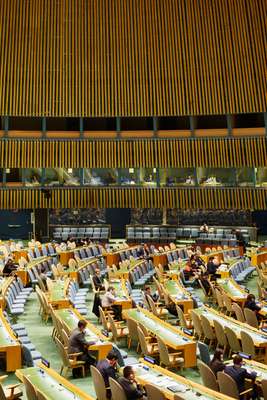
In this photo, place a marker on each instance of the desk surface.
(232, 289)
(186, 389)
(259, 338)
(175, 289)
(52, 384)
(172, 336)
(71, 317)
(7, 337)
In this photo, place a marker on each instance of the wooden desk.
(122, 297)
(23, 272)
(161, 377)
(218, 253)
(9, 345)
(233, 290)
(71, 317)
(115, 258)
(257, 258)
(178, 295)
(51, 384)
(259, 337)
(123, 272)
(57, 296)
(172, 336)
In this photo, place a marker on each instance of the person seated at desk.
(108, 301)
(212, 267)
(147, 292)
(78, 344)
(252, 305)
(43, 276)
(9, 267)
(204, 279)
(132, 389)
(108, 369)
(217, 364)
(240, 374)
(98, 281)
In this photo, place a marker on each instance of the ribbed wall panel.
(132, 57)
(255, 199)
(249, 152)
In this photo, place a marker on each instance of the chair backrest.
(220, 334)
(227, 302)
(113, 327)
(117, 391)
(264, 388)
(132, 328)
(238, 312)
(232, 340)
(153, 392)
(197, 323)
(163, 352)
(99, 383)
(152, 305)
(207, 328)
(181, 317)
(41, 396)
(2, 393)
(63, 352)
(30, 391)
(208, 377)
(227, 385)
(103, 319)
(248, 346)
(65, 338)
(142, 341)
(219, 297)
(251, 318)
(204, 352)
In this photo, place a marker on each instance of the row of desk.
(259, 337)
(53, 386)
(174, 337)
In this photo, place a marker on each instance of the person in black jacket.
(98, 281)
(212, 269)
(217, 363)
(252, 305)
(108, 369)
(240, 375)
(128, 382)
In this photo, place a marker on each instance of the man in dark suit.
(240, 374)
(79, 344)
(108, 369)
(131, 388)
(97, 280)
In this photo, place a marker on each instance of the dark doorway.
(118, 218)
(15, 224)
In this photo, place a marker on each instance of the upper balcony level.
(237, 125)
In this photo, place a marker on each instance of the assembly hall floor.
(40, 335)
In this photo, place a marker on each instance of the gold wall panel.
(132, 57)
(221, 152)
(135, 198)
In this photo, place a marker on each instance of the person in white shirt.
(108, 301)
